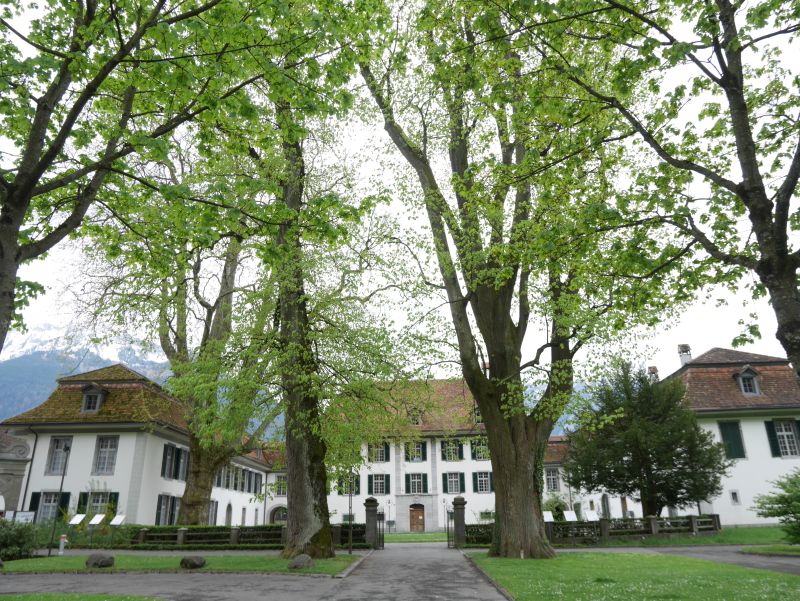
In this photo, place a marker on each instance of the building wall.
(751, 476)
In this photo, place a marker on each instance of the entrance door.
(417, 517)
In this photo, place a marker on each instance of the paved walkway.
(401, 572)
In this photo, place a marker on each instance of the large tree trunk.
(308, 522)
(8, 278)
(785, 300)
(203, 466)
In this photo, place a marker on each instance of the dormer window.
(476, 411)
(93, 397)
(748, 382)
(415, 416)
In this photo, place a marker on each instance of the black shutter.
(113, 502)
(460, 450)
(340, 486)
(35, 498)
(63, 505)
(172, 515)
(164, 461)
(424, 450)
(408, 452)
(386, 451)
(732, 439)
(491, 482)
(357, 480)
(83, 501)
(461, 486)
(158, 510)
(472, 448)
(444, 450)
(177, 454)
(474, 481)
(186, 465)
(408, 484)
(424, 483)
(772, 437)
(387, 484)
(369, 484)
(444, 484)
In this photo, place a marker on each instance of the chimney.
(685, 353)
(652, 373)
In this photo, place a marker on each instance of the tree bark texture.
(203, 465)
(308, 524)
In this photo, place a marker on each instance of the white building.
(128, 452)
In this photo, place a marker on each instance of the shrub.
(784, 505)
(17, 541)
(557, 506)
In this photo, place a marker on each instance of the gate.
(379, 530)
(449, 526)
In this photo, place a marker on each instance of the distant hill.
(27, 380)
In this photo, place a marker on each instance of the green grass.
(752, 535)
(72, 597)
(626, 576)
(415, 537)
(171, 563)
(789, 550)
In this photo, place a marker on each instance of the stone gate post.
(371, 505)
(459, 523)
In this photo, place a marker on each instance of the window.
(280, 485)
(349, 484)
(91, 402)
(48, 507)
(453, 483)
(482, 481)
(415, 416)
(174, 463)
(98, 502)
(378, 453)
(255, 518)
(552, 479)
(416, 451)
(257, 483)
(480, 449)
(486, 515)
(105, 455)
(213, 508)
(748, 384)
(476, 412)
(731, 435)
(452, 450)
(57, 457)
(378, 484)
(347, 518)
(735, 500)
(244, 516)
(787, 437)
(416, 484)
(167, 508)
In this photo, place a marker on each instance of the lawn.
(415, 537)
(626, 576)
(72, 597)
(171, 563)
(766, 535)
(788, 550)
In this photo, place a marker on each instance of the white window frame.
(376, 453)
(787, 438)
(57, 452)
(483, 481)
(91, 402)
(736, 497)
(552, 479)
(415, 451)
(281, 485)
(105, 457)
(480, 449)
(751, 379)
(415, 482)
(379, 484)
(98, 502)
(450, 450)
(454, 483)
(48, 507)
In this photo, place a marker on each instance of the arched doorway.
(228, 515)
(416, 518)
(279, 515)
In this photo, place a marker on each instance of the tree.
(707, 91)
(520, 226)
(640, 439)
(94, 83)
(784, 505)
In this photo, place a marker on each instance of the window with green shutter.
(731, 434)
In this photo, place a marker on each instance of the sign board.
(117, 520)
(570, 516)
(9, 516)
(2, 503)
(548, 516)
(97, 520)
(591, 516)
(25, 517)
(77, 519)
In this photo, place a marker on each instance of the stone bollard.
(717, 522)
(336, 534)
(605, 529)
(459, 522)
(371, 534)
(652, 521)
(548, 529)
(234, 535)
(181, 536)
(143, 535)
(694, 528)
(284, 535)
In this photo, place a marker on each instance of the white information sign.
(77, 519)
(97, 520)
(117, 520)
(25, 517)
(9, 516)
(548, 516)
(591, 516)
(570, 516)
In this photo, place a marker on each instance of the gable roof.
(724, 356)
(130, 398)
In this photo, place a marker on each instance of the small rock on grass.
(301, 562)
(193, 562)
(100, 560)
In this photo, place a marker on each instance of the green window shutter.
(460, 450)
(462, 487)
(113, 501)
(164, 462)
(63, 505)
(83, 501)
(408, 484)
(444, 484)
(408, 452)
(387, 484)
(176, 464)
(158, 510)
(424, 450)
(491, 482)
(731, 436)
(173, 507)
(386, 451)
(472, 449)
(340, 486)
(444, 450)
(474, 481)
(772, 437)
(424, 483)
(369, 484)
(357, 479)
(35, 498)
